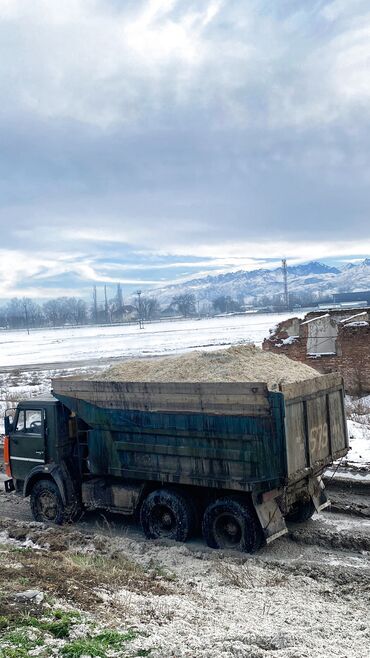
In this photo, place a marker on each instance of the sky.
(146, 141)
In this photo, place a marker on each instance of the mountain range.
(248, 286)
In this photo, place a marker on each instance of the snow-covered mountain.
(312, 277)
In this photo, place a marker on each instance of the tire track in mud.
(333, 538)
(349, 496)
(330, 531)
(333, 529)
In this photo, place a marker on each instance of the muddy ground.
(307, 594)
(115, 594)
(349, 496)
(108, 592)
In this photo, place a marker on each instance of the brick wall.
(352, 358)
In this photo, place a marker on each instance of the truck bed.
(237, 436)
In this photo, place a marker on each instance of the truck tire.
(231, 524)
(46, 502)
(301, 512)
(167, 515)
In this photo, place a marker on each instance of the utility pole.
(285, 279)
(141, 321)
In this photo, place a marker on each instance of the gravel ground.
(297, 598)
(305, 595)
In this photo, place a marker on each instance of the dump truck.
(235, 460)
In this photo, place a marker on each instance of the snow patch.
(359, 323)
(289, 341)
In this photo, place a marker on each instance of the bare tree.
(94, 309)
(106, 306)
(119, 302)
(61, 311)
(35, 314)
(225, 304)
(3, 318)
(22, 313)
(25, 303)
(52, 311)
(15, 313)
(150, 308)
(76, 310)
(26, 313)
(184, 303)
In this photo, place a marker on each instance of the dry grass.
(358, 410)
(75, 577)
(245, 576)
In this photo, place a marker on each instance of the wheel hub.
(166, 520)
(163, 521)
(48, 506)
(231, 529)
(228, 531)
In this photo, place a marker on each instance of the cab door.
(27, 442)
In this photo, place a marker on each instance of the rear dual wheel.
(167, 514)
(232, 524)
(227, 523)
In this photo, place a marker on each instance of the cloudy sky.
(148, 140)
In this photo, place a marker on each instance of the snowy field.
(28, 362)
(161, 599)
(158, 338)
(358, 424)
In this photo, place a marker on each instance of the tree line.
(105, 308)
(303, 298)
(25, 313)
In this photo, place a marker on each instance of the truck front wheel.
(229, 523)
(167, 514)
(46, 502)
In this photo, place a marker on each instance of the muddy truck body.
(234, 459)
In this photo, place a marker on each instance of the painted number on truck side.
(319, 439)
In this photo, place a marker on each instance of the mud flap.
(271, 519)
(318, 494)
(9, 486)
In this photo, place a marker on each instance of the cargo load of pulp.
(240, 363)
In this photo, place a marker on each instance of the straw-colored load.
(240, 363)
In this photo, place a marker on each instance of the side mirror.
(8, 424)
(9, 420)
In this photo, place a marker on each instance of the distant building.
(337, 340)
(343, 305)
(348, 297)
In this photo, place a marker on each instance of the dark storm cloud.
(206, 130)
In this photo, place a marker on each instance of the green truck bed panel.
(236, 436)
(211, 450)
